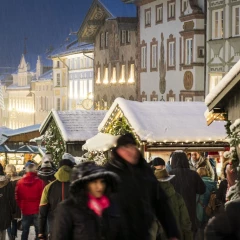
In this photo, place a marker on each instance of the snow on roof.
(223, 83)
(16, 87)
(45, 76)
(100, 142)
(168, 121)
(23, 130)
(119, 9)
(77, 125)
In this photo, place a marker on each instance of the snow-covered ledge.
(223, 84)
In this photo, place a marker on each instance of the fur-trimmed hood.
(4, 180)
(88, 171)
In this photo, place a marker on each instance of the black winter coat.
(141, 200)
(17, 214)
(7, 203)
(225, 226)
(75, 221)
(188, 184)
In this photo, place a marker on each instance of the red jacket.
(28, 193)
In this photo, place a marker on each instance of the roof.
(117, 8)
(45, 76)
(75, 126)
(167, 121)
(227, 83)
(72, 48)
(16, 87)
(28, 129)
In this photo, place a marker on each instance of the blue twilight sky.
(43, 22)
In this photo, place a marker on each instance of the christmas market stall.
(67, 131)
(16, 147)
(162, 127)
(223, 104)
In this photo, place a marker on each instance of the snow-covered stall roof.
(100, 142)
(28, 129)
(227, 79)
(75, 126)
(167, 121)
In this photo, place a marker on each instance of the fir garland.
(234, 141)
(54, 143)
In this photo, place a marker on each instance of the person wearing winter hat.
(89, 206)
(177, 204)
(53, 194)
(140, 196)
(28, 194)
(46, 172)
(7, 203)
(158, 163)
(10, 171)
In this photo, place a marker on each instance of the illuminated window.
(122, 79)
(131, 75)
(114, 75)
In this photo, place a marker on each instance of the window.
(171, 53)
(188, 51)
(184, 5)
(123, 36)
(188, 99)
(154, 99)
(201, 52)
(148, 17)
(144, 57)
(159, 13)
(75, 89)
(71, 89)
(131, 75)
(58, 64)
(105, 80)
(114, 75)
(98, 75)
(101, 40)
(171, 10)
(171, 99)
(144, 99)
(236, 26)
(218, 18)
(214, 80)
(58, 104)
(122, 79)
(58, 80)
(128, 36)
(106, 39)
(154, 56)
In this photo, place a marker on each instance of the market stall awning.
(100, 142)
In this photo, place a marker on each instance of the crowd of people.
(127, 199)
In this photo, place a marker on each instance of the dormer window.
(184, 5)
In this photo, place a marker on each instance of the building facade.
(223, 39)
(73, 75)
(112, 27)
(171, 50)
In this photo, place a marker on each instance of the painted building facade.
(73, 75)
(171, 50)
(223, 39)
(112, 27)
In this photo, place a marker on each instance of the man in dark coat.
(7, 203)
(225, 226)
(187, 183)
(140, 196)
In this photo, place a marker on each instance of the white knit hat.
(69, 157)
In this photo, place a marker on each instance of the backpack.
(213, 205)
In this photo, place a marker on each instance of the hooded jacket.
(141, 199)
(225, 226)
(53, 194)
(7, 202)
(203, 200)
(28, 193)
(74, 220)
(179, 210)
(188, 184)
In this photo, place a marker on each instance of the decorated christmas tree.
(54, 143)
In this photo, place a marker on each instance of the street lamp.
(31, 94)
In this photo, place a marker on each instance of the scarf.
(98, 204)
